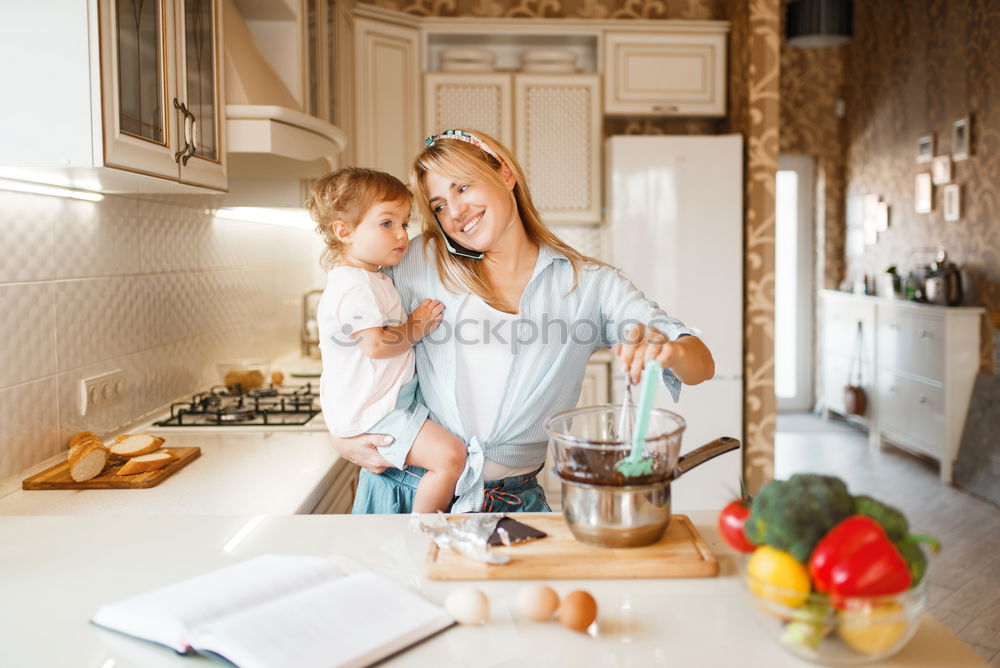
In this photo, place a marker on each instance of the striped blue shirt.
(554, 335)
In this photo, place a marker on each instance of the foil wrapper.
(469, 536)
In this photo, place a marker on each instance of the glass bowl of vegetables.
(834, 578)
(831, 630)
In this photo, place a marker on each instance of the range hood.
(268, 136)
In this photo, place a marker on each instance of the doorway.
(793, 283)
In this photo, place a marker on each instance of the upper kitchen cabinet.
(125, 95)
(386, 93)
(677, 71)
(552, 122)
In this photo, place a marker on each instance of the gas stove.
(264, 407)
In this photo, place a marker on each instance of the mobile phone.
(457, 249)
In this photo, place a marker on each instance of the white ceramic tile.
(28, 425)
(28, 332)
(26, 236)
(97, 241)
(101, 318)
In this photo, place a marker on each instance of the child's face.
(380, 239)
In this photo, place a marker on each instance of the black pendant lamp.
(818, 24)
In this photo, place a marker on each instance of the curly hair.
(346, 195)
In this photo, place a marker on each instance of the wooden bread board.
(57, 477)
(680, 553)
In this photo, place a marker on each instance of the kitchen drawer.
(913, 411)
(926, 348)
(910, 343)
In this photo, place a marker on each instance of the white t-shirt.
(355, 390)
(484, 355)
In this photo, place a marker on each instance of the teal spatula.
(636, 464)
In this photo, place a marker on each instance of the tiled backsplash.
(158, 288)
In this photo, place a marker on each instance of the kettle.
(943, 284)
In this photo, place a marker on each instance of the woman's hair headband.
(462, 135)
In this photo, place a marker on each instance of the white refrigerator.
(675, 206)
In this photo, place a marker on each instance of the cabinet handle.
(187, 142)
(666, 107)
(194, 140)
(923, 399)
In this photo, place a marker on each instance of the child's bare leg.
(443, 455)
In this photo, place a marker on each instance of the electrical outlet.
(97, 392)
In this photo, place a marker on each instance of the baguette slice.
(143, 463)
(80, 437)
(87, 460)
(133, 445)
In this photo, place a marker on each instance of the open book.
(276, 611)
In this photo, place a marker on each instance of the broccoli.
(890, 519)
(794, 514)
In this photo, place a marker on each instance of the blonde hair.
(464, 162)
(346, 195)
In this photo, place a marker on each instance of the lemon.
(777, 576)
(872, 630)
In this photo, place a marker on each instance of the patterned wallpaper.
(753, 111)
(812, 81)
(914, 69)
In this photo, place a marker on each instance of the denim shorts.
(403, 424)
(392, 491)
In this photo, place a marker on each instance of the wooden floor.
(965, 576)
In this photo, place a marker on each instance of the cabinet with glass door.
(161, 96)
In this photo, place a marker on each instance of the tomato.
(731, 521)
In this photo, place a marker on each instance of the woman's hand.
(361, 450)
(687, 357)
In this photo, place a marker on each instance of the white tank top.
(484, 354)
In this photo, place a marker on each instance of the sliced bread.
(87, 460)
(79, 437)
(143, 463)
(133, 445)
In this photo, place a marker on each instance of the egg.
(468, 606)
(536, 602)
(577, 611)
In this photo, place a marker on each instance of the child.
(366, 340)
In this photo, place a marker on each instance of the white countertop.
(238, 473)
(56, 571)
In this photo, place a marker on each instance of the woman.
(523, 314)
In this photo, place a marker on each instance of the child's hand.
(643, 344)
(426, 318)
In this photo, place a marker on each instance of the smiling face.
(379, 239)
(476, 215)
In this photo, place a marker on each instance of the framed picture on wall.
(961, 138)
(923, 200)
(926, 148)
(941, 169)
(952, 202)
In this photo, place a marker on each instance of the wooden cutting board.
(680, 553)
(57, 477)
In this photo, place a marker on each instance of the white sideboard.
(918, 365)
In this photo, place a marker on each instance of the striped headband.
(461, 135)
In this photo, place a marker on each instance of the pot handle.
(701, 455)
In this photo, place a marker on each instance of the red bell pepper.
(857, 558)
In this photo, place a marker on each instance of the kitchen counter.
(56, 571)
(238, 473)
